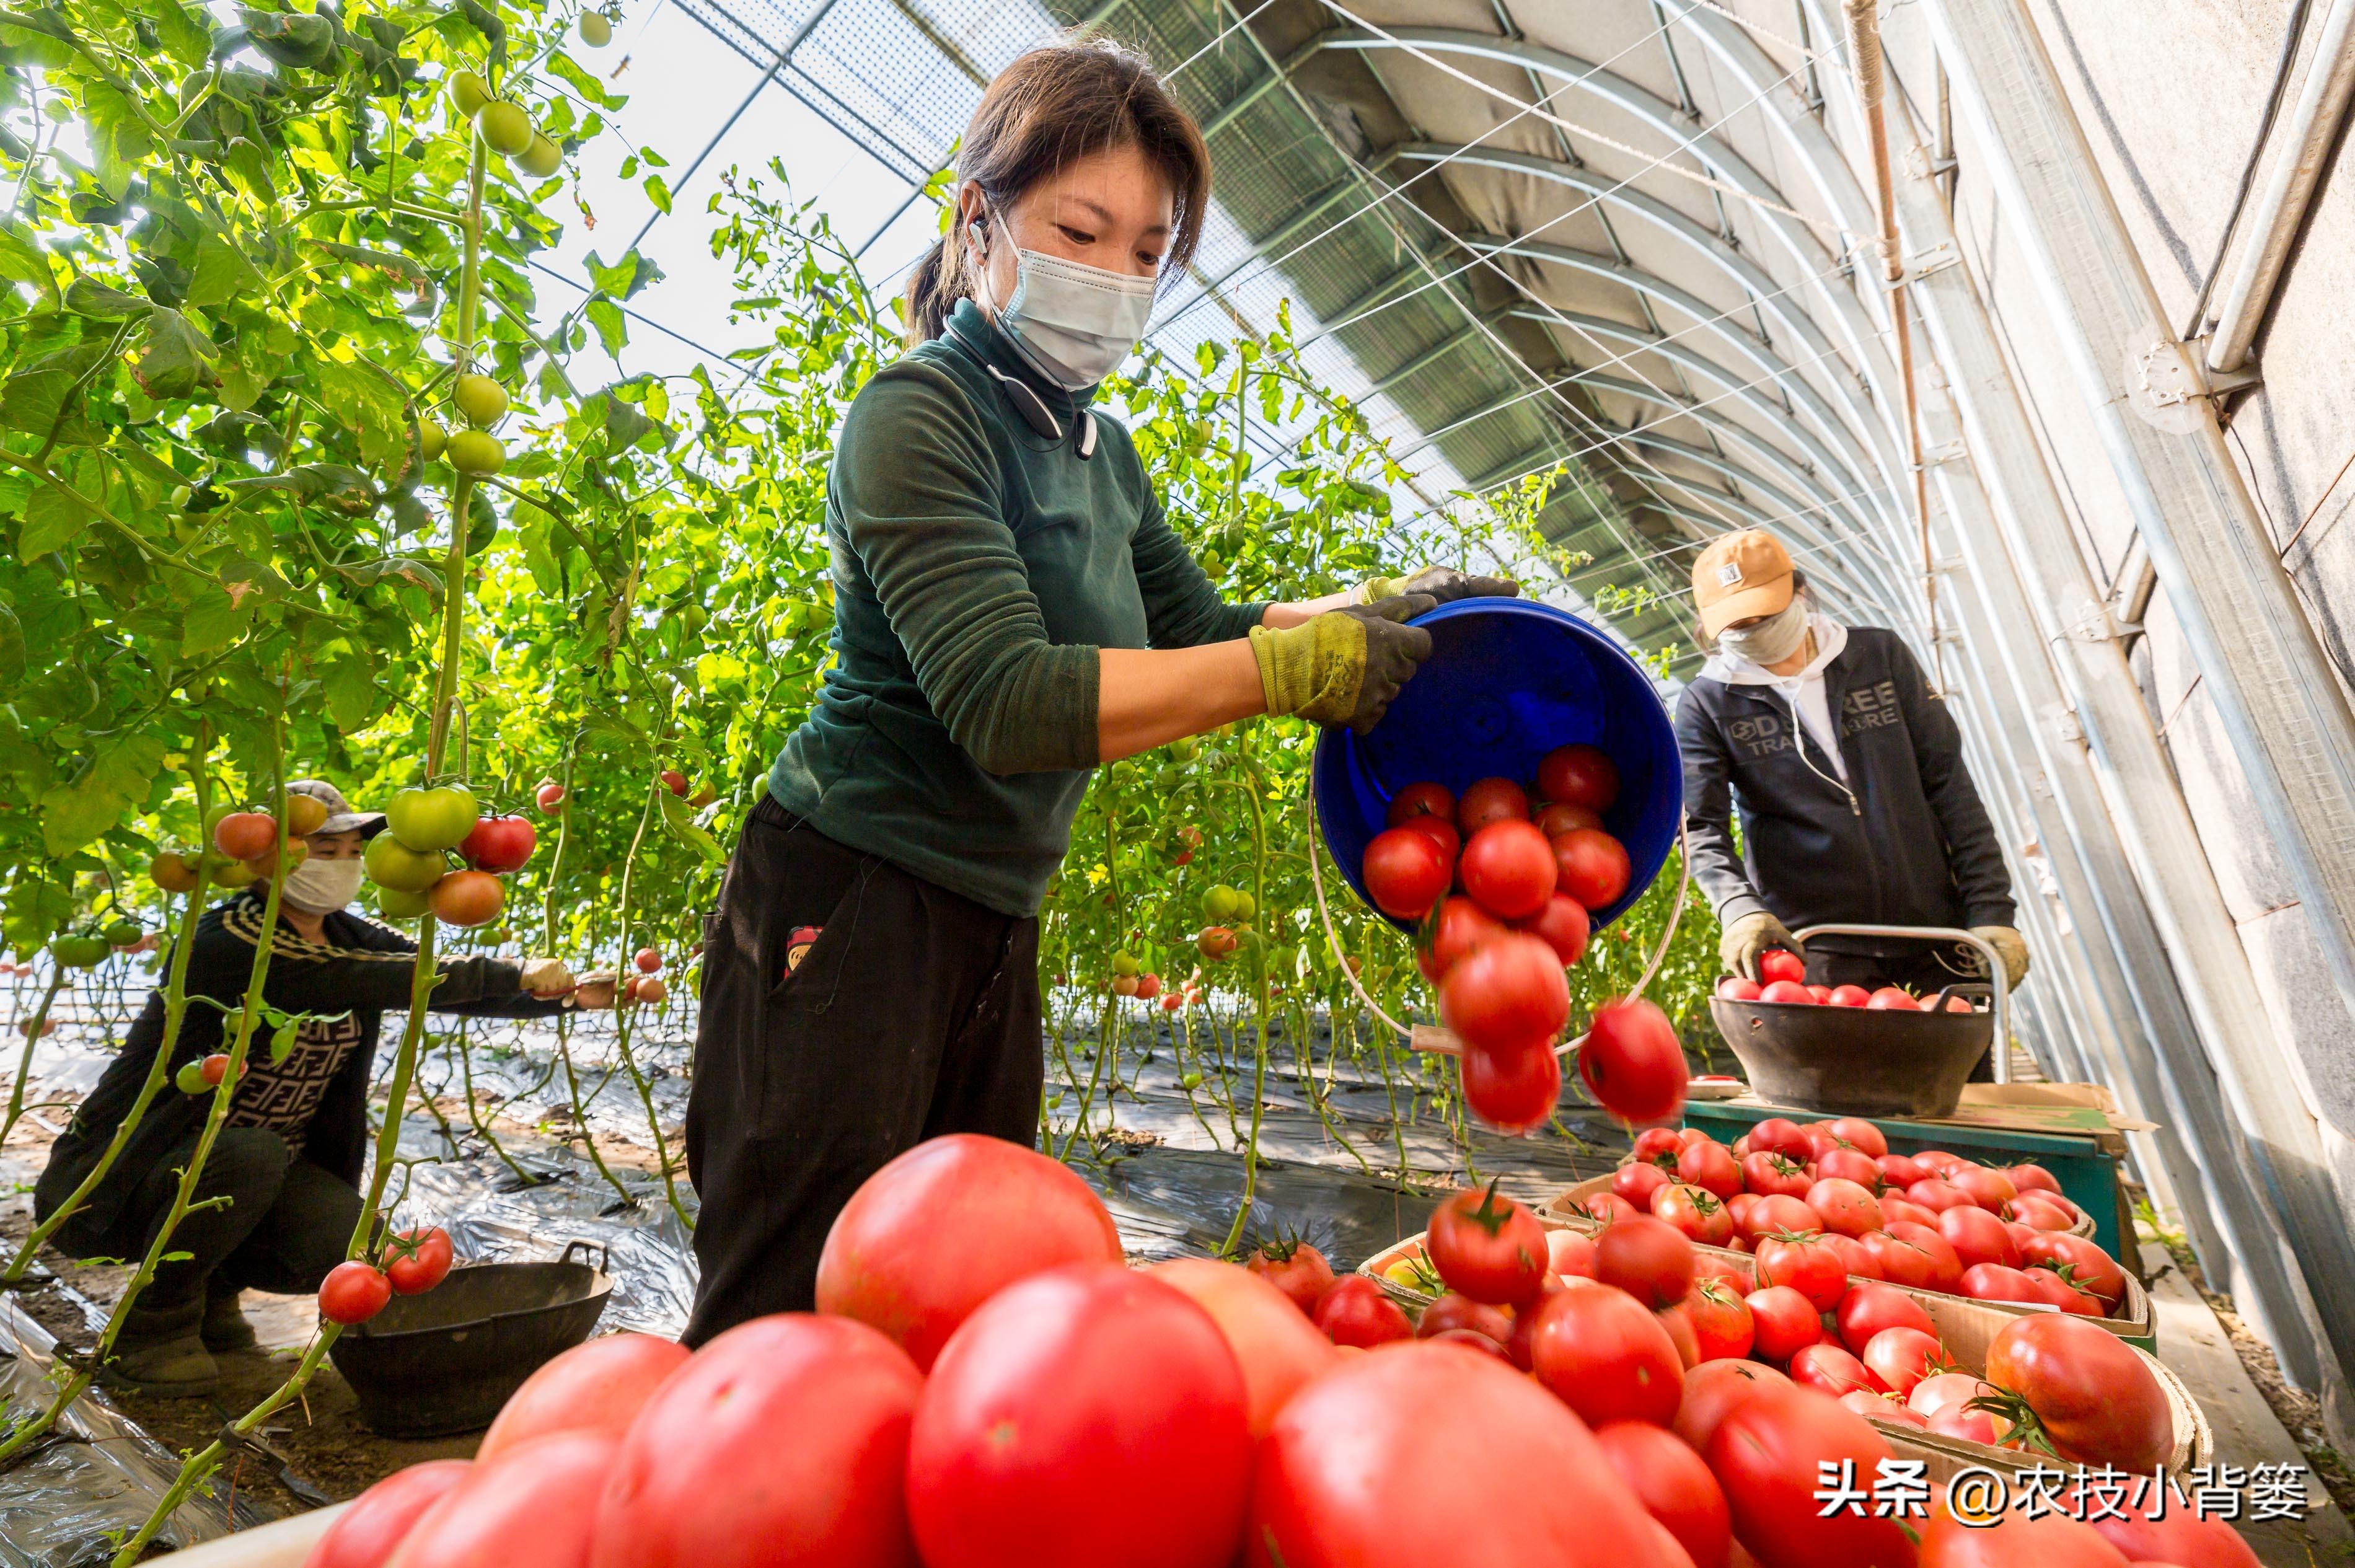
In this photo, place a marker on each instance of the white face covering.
(1074, 323)
(324, 886)
(1772, 640)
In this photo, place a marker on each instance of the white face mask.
(1074, 323)
(1772, 640)
(324, 886)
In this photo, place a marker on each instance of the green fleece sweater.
(978, 568)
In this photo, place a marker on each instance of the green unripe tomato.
(541, 159)
(596, 30)
(1219, 902)
(1245, 906)
(428, 821)
(482, 400)
(190, 1079)
(123, 933)
(395, 867)
(430, 439)
(1125, 964)
(476, 452)
(468, 93)
(504, 127)
(83, 951)
(396, 903)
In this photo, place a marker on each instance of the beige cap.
(341, 817)
(1740, 577)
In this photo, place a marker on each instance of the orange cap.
(1739, 577)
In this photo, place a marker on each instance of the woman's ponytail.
(934, 289)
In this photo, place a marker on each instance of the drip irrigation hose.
(1439, 1040)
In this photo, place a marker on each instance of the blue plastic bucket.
(1507, 681)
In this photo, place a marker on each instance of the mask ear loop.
(1025, 398)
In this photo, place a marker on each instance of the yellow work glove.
(1445, 585)
(1345, 666)
(2010, 947)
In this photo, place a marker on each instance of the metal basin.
(444, 1362)
(1854, 1061)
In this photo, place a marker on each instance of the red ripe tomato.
(674, 780)
(1881, 1407)
(1679, 1323)
(1515, 1089)
(1901, 1263)
(364, 1534)
(1721, 1321)
(1941, 1390)
(1768, 1174)
(1892, 999)
(1695, 1210)
(1725, 1271)
(1508, 869)
(1406, 872)
(1459, 927)
(1564, 926)
(1784, 1321)
(1709, 1166)
(1455, 1312)
(1606, 1358)
(1592, 866)
(2051, 1288)
(1711, 1390)
(1558, 816)
(1579, 776)
(1807, 1265)
(1631, 1063)
(1769, 1453)
(1855, 1133)
(1901, 1358)
(1516, 1346)
(499, 844)
(1856, 1259)
(1376, 1461)
(1294, 1268)
(245, 834)
(1820, 994)
(1279, 1349)
(1850, 1165)
(1988, 1188)
(2033, 1178)
(1659, 1146)
(2032, 1210)
(549, 797)
(1787, 993)
(1051, 1397)
(1602, 1207)
(1734, 988)
(1488, 1247)
(1996, 1281)
(214, 1067)
(2156, 1527)
(2013, 1540)
(1737, 1209)
(1894, 1208)
(943, 1227)
(1441, 831)
(1776, 963)
(1425, 799)
(1870, 1309)
(1979, 1237)
(1506, 992)
(466, 898)
(534, 1505)
(417, 1261)
(1490, 800)
(822, 1404)
(1946, 1269)
(1825, 1366)
(1847, 1207)
(1774, 1214)
(1939, 1162)
(1902, 1170)
(1971, 1426)
(1649, 1259)
(1571, 1253)
(1674, 1488)
(1639, 1183)
(1850, 996)
(2096, 1271)
(1939, 1194)
(353, 1292)
(599, 1386)
(1777, 1135)
(1356, 1312)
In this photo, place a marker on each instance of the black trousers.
(286, 1223)
(916, 1013)
(1925, 971)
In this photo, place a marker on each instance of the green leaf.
(116, 780)
(213, 620)
(179, 360)
(12, 646)
(282, 1043)
(350, 688)
(88, 296)
(117, 137)
(588, 85)
(52, 518)
(374, 408)
(221, 273)
(624, 278)
(679, 818)
(612, 327)
(186, 39)
(657, 191)
(23, 262)
(41, 398)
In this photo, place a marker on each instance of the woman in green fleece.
(1011, 609)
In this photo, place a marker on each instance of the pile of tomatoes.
(1930, 1220)
(1782, 977)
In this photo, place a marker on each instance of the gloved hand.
(1742, 943)
(1444, 584)
(547, 978)
(1345, 666)
(2010, 947)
